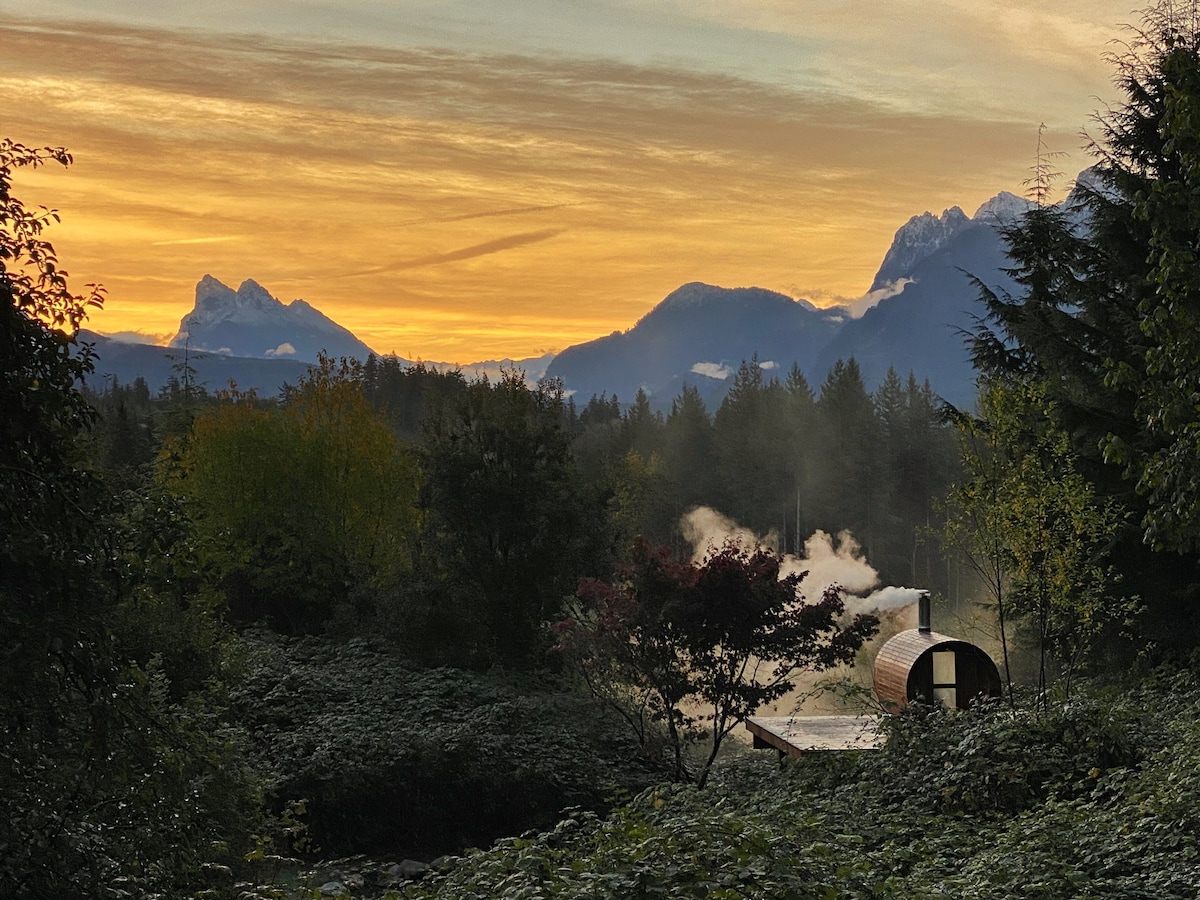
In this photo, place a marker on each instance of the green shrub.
(391, 758)
(1093, 798)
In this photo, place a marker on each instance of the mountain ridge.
(699, 333)
(928, 302)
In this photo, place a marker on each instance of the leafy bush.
(1092, 799)
(988, 759)
(391, 758)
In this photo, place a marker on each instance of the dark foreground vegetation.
(1094, 798)
(324, 643)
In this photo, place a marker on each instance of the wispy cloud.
(179, 242)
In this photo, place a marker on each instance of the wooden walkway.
(795, 735)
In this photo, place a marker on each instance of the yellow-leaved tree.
(302, 504)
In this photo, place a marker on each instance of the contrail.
(485, 249)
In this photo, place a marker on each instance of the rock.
(410, 868)
(333, 889)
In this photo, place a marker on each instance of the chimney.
(923, 613)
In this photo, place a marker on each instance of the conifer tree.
(1104, 318)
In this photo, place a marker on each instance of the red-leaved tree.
(668, 642)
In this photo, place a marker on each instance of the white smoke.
(827, 560)
(841, 563)
(708, 531)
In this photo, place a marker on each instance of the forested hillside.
(325, 644)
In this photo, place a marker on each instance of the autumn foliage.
(699, 648)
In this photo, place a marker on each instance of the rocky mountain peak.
(1003, 209)
(216, 302)
(918, 238)
(249, 322)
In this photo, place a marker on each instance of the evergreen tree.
(750, 436)
(688, 454)
(850, 484)
(1103, 319)
(509, 527)
(802, 438)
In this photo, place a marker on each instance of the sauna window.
(945, 678)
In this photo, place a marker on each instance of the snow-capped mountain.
(1003, 209)
(701, 333)
(922, 329)
(493, 370)
(249, 337)
(698, 334)
(917, 239)
(249, 322)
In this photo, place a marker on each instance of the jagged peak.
(1003, 209)
(918, 238)
(210, 292)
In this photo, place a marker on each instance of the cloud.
(338, 158)
(855, 306)
(860, 305)
(138, 337)
(284, 349)
(712, 370)
(178, 242)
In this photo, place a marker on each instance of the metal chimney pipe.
(923, 614)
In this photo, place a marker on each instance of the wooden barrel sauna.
(933, 667)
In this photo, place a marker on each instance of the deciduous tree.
(298, 505)
(667, 637)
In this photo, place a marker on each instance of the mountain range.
(924, 296)
(700, 334)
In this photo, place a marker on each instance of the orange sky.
(452, 195)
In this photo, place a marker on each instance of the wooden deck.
(795, 735)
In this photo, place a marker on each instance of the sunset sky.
(458, 180)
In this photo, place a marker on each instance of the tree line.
(421, 495)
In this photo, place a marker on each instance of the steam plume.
(827, 560)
